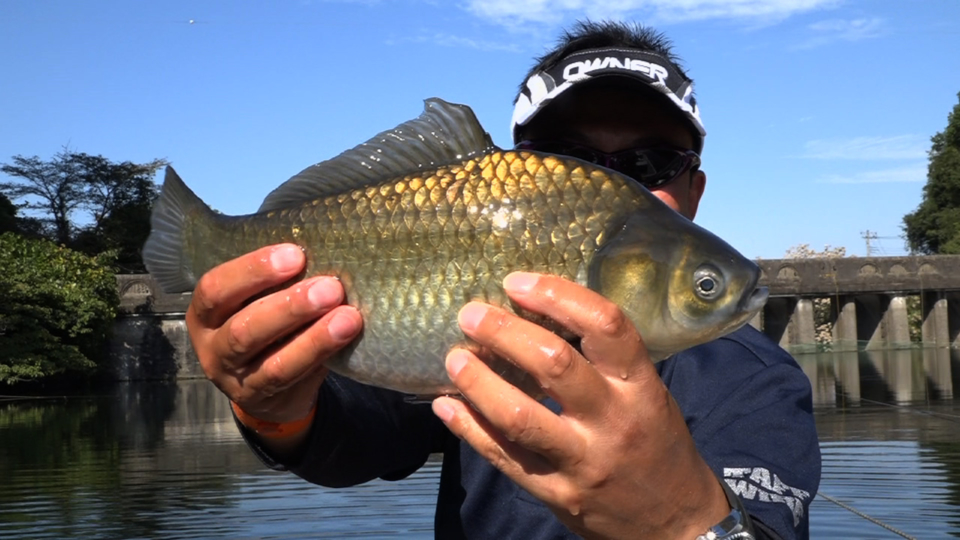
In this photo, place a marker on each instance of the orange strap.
(274, 430)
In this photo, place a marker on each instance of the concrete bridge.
(862, 300)
(852, 302)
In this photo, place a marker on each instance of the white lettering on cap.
(581, 69)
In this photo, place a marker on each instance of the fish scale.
(395, 274)
(411, 249)
(410, 309)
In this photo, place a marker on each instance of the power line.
(868, 235)
(874, 244)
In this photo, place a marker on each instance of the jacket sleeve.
(360, 433)
(749, 408)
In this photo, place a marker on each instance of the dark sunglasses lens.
(651, 167)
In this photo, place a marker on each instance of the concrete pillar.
(953, 319)
(936, 366)
(896, 370)
(934, 329)
(873, 367)
(820, 371)
(900, 376)
(150, 347)
(844, 323)
(776, 317)
(870, 310)
(847, 368)
(802, 329)
(896, 327)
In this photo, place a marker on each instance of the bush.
(57, 308)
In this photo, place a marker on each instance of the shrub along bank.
(57, 308)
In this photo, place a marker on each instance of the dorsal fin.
(445, 133)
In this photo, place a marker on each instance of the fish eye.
(707, 283)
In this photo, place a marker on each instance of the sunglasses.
(652, 167)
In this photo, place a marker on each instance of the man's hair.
(586, 35)
(593, 35)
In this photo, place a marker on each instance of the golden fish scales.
(412, 248)
(411, 251)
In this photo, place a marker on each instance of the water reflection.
(889, 430)
(165, 461)
(894, 375)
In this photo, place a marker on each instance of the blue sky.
(818, 112)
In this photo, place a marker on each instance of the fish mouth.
(756, 300)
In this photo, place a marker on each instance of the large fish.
(430, 215)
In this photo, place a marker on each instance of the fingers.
(269, 356)
(512, 459)
(300, 358)
(224, 289)
(608, 338)
(247, 333)
(561, 371)
(511, 428)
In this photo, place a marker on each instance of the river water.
(165, 461)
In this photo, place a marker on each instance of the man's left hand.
(618, 461)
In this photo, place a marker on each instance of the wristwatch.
(737, 524)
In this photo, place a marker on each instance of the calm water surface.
(165, 461)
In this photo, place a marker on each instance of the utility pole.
(868, 235)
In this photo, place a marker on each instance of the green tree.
(934, 227)
(115, 199)
(57, 308)
(119, 197)
(10, 221)
(52, 188)
(8, 215)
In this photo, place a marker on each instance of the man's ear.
(698, 184)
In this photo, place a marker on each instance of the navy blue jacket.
(746, 401)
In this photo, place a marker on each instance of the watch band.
(737, 524)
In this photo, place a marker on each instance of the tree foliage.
(934, 227)
(57, 308)
(804, 251)
(8, 215)
(11, 221)
(52, 188)
(822, 307)
(115, 200)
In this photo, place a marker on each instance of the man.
(717, 441)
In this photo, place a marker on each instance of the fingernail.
(342, 327)
(520, 282)
(470, 315)
(455, 362)
(325, 292)
(443, 410)
(286, 259)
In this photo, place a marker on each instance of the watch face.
(729, 523)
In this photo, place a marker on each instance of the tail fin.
(163, 254)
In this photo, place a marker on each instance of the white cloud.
(913, 173)
(872, 148)
(449, 40)
(517, 12)
(829, 31)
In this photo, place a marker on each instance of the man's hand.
(268, 356)
(619, 461)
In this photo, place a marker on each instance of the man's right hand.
(268, 355)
